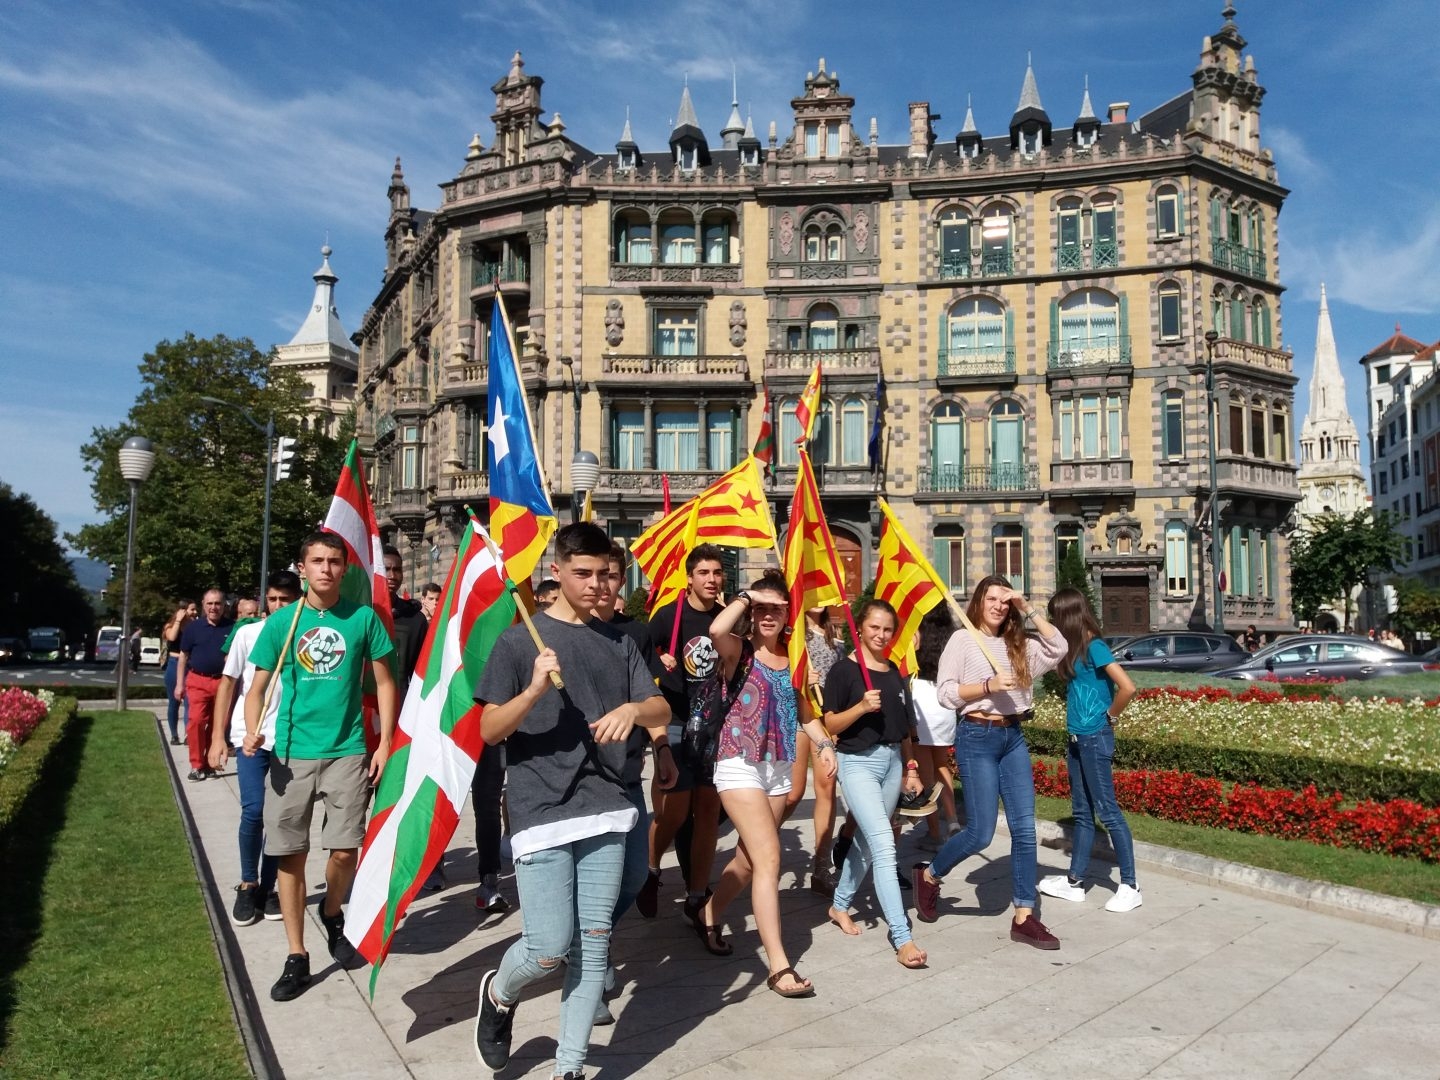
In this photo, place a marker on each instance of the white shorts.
(735, 774)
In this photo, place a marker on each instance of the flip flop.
(805, 990)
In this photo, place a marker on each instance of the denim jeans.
(870, 780)
(567, 897)
(172, 707)
(1092, 795)
(485, 794)
(637, 853)
(252, 773)
(994, 765)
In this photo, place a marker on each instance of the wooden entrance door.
(1126, 603)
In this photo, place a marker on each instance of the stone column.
(605, 462)
(647, 459)
(702, 413)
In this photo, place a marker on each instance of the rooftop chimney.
(922, 131)
(1119, 112)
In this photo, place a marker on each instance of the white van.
(107, 644)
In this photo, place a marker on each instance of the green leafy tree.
(39, 586)
(201, 511)
(1417, 609)
(1073, 574)
(1338, 553)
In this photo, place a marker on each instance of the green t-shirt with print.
(320, 713)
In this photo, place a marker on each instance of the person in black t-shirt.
(679, 674)
(874, 732)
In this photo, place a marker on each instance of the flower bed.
(1368, 748)
(20, 714)
(1397, 827)
(23, 767)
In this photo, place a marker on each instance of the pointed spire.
(626, 138)
(969, 126)
(687, 115)
(750, 127)
(734, 127)
(1029, 92)
(1030, 119)
(322, 321)
(1327, 385)
(1087, 110)
(475, 149)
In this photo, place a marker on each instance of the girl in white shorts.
(753, 764)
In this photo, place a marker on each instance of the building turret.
(967, 142)
(687, 141)
(734, 128)
(322, 355)
(1087, 124)
(1227, 89)
(1030, 127)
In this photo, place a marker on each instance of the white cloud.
(1293, 160)
(1386, 270)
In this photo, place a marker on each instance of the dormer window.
(626, 162)
(1030, 142)
(750, 155)
(822, 140)
(685, 158)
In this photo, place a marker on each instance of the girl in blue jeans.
(874, 732)
(986, 674)
(1097, 689)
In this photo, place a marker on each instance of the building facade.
(1019, 316)
(1407, 464)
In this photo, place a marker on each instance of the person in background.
(170, 638)
(546, 593)
(430, 600)
(935, 725)
(135, 640)
(408, 619)
(1097, 689)
(198, 677)
(823, 648)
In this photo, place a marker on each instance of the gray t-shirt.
(561, 785)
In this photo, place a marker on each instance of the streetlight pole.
(268, 430)
(137, 459)
(1211, 337)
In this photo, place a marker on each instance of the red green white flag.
(437, 744)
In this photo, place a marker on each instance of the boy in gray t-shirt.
(569, 813)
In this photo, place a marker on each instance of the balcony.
(514, 270)
(1232, 255)
(1105, 254)
(1261, 356)
(658, 369)
(464, 486)
(997, 264)
(1248, 475)
(983, 480)
(649, 482)
(831, 479)
(471, 378)
(967, 365)
(408, 509)
(677, 273)
(1068, 477)
(410, 400)
(1090, 352)
(955, 266)
(800, 362)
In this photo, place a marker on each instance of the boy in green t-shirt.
(321, 648)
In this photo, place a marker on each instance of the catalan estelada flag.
(812, 569)
(808, 407)
(907, 582)
(521, 517)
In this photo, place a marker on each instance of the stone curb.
(1361, 905)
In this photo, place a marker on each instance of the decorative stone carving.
(614, 323)
(862, 232)
(786, 233)
(738, 324)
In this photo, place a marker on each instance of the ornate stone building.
(1025, 310)
(323, 356)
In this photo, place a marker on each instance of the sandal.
(710, 937)
(805, 989)
(915, 959)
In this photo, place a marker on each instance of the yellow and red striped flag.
(808, 407)
(907, 582)
(812, 569)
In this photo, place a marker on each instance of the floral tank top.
(761, 724)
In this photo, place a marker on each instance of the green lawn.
(1408, 878)
(107, 963)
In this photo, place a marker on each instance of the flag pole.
(687, 544)
(284, 650)
(835, 570)
(495, 554)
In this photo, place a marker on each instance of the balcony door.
(1007, 447)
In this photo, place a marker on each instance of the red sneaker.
(927, 893)
(1032, 932)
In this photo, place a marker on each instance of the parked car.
(1327, 656)
(1114, 641)
(1181, 651)
(150, 652)
(47, 645)
(107, 644)
(14, 650)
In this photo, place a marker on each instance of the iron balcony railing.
(1083, 352)
(1232, 255)
(959, 361)
(979, 479)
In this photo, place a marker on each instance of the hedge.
(91, 693)
(28, 765)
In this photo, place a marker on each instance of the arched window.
(1237, 314)
(997, 239)
(1279, 432)
(949, 557)
(824, 242)
(1259, 440)
(1106, 249)
(975, 338)
(854, 432)
(677, 237)
(1170, 325)
(947, 447)
(823, 327)
(1260, 322)
(822, 437)
(1068, 241)
(632, 237)
(1169, 212)
(954, 244)
(1219, 311)
(1177, 559)
(1007, 446)
(718, 234)
(1090, 329)
(1008, 547)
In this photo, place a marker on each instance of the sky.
(174, 167)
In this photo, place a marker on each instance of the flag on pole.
(908, 583)
(812, 569)
(352, 518)
(877, 425)
(432, 759)
(808, 408)
(731, 512)
(764, 451)
(521, 517)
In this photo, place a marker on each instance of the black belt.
(998, 719)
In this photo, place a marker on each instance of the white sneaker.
(1126, 898)
(1058, 886)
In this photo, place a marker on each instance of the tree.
(39, 584)
(200, 513)
(1417, 611)
(1073, 574)
(1336, 554)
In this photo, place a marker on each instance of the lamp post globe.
(584, 475)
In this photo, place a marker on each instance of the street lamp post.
(584, 475)
(137, 459)
(268, 430)
(1211, 337)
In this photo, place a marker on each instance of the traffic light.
(284, 455)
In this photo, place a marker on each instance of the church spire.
(1327, 385)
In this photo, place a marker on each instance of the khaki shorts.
(343, 783)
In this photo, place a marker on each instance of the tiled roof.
(1397, 344)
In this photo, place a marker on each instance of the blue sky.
(174, 167)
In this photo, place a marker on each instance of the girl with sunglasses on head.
(753, 766)
(874, 732)
(990, 746)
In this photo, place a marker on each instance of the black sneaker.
(195, 775)
(246, 911)
(493, 1025)
(294, 979)
(272, 907)
(921, 803)
(341, 951)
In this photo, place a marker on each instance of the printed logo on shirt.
(700, 656)
(321, 650)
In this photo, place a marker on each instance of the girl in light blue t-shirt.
(1097, 689)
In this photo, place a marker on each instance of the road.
(79, 674)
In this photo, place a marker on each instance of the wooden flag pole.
(280, 663)
(555, 678)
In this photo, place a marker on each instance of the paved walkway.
(1199, 982)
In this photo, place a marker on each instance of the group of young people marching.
(576, 705)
